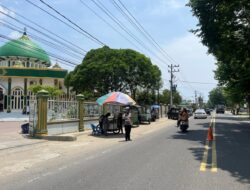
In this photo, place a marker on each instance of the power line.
(31, 48)
(79, 31)
(46, 42)
(29, 26)
(87, 34)
(103, 8)
(135, 23)
(112, 17)
(141, 29)
(92, 10)
(38, 25)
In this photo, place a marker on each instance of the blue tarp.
(155, 106)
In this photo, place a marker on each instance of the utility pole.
(171, 71)
(195, 100)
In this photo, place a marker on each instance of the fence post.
(42, 99)
(80, 99)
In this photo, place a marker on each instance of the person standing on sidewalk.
(119, 122)
(128, 124)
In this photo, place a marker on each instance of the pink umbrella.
(116, 97)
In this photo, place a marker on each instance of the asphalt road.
(165, 159)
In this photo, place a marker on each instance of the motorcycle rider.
(183, 116)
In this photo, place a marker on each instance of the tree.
(165, 97)
(53, 91)
(224, 29)
(233, 98)
(177, 98)
(104, 70)
(145, 98)
(67, 82)
(216, 97)
(148, 98)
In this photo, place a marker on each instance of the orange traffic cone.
(210, 134)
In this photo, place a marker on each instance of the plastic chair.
(95, 129)
(25, 128)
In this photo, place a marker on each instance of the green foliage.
(104, 70)
(53, 91)
(226, 96)
(68, 79)
(165, 97)
(224, 29)
(148, 98)
(145, 98)
(35, 88)
(216, 97)
(177, 98)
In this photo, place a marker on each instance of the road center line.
(214, 153)
(204, 163)
(204, 160)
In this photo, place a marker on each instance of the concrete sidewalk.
(11, 136)
(18, 153)
(14, 116)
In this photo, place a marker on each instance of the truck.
(173, 113)
(220, 109)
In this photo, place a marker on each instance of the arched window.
(17, 92)
(17, 99)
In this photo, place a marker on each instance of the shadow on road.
(232, 145)
(109, 136)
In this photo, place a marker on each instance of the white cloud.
(2, 16)
(165, 6)
(14, 35)
(173, 4)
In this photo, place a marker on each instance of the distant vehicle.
(173, 113)
(200, 114)
(208, 111)
(190, 112)
(145, 117)
(242, 110)
(220, 109)
(155, 112)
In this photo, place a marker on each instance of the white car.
(199, 114)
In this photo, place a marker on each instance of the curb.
(56, 138)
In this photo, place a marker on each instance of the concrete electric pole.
(171, 71)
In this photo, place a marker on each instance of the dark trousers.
(127, 132)
(178, 122)
(119, 126)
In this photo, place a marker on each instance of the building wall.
(17, 83)
(4, 84)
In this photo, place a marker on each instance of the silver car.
(200, 114)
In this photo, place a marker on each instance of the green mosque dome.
(24, 47)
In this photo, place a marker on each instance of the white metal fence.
(62, 110)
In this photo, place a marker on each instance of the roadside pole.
(80, 99)
(172, 87)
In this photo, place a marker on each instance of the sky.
(167, 21)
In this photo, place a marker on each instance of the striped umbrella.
(116, 97)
